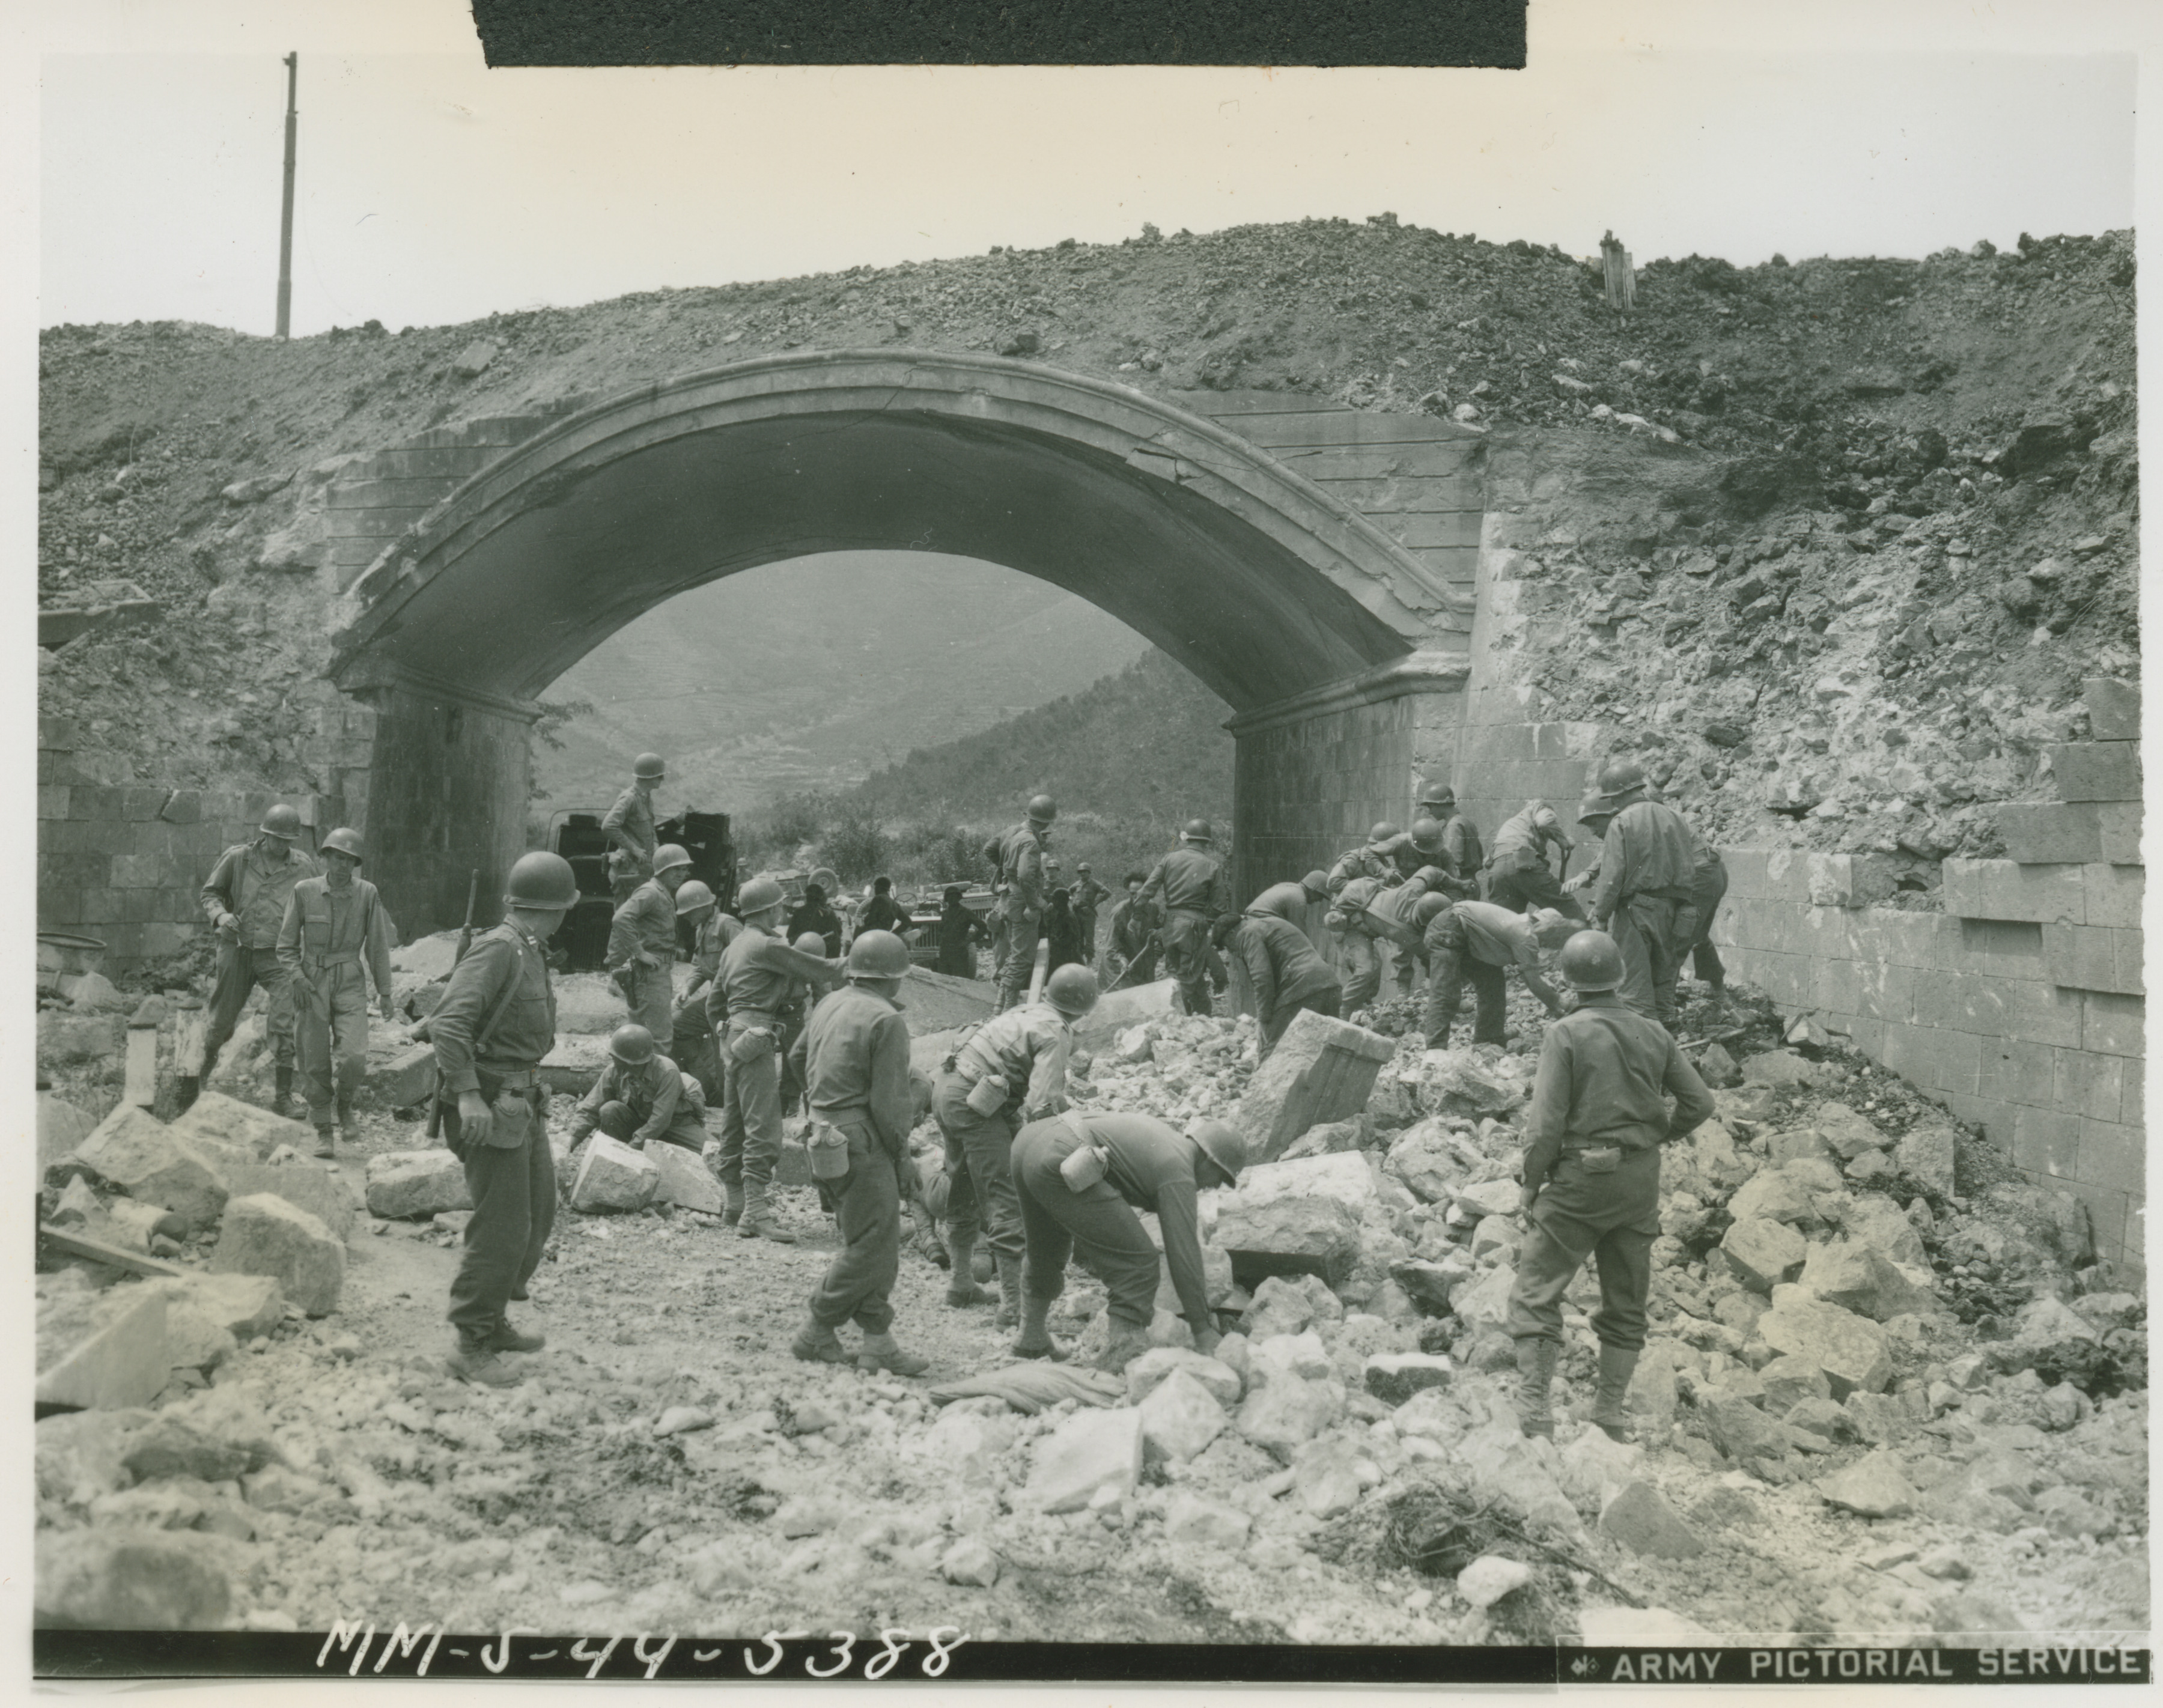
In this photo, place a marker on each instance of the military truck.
(576, 833)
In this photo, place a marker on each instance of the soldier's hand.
(229, 924)
(389, 1013)
(475, 1119)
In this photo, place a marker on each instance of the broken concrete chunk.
(263, 1234)
(1777, 1067)
(1179, 1417)
(1146, 1372)
(613, 1176)
(1490, 1577)
(1474, 1082)
(1196, 1521)
(304, 1184)
(1090, 1450)
(1640, 1518)
(140, 1154)
(683, 1179)
(1394, 1377)
(1925, 1155)
(1321, 1070)
(1849, 1350)
(1855, 1276)
(1286, 1410)
(1762, 1253)
(403, 1184)
(1873, 1487)
(245, 1306)
(94, 1359)
(127, 1579)
(224, 1120)
(971, 1561)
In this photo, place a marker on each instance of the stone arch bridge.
(1314, 565)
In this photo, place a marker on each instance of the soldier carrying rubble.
(1591, 1180)
(1080, 1179)
(1190, 881)
(496, 1020)
(1018, 853)
(245, 897)
(1133, 946)
(863, 1103)
(334, 927)
(630, 825)
(1283, 971)
(641, 1097)
(1011, 1071)
(1476, 940)
(642, 945)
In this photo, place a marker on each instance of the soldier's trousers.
(866, 1201)
(514, 1208)
(1018, 960)
(693, 1048)
(239, 971)
(1454, 963)
(1530, 886)
(1612, 1218)
(751, 1117)
(1644, 929)
(651, 1000)
(1361, 966)
(1186, 957)
(1097, 1226)
(1694, 932)
(331, 1039)
(981, 1193)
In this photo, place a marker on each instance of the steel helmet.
(878, 955)
(1316, 883)
(667, 858)
(692, 897)
(1440, 795)
(1082, 866)
(760, 895)
(632, 1045)
(541, 880)
(1221, 1143)
(344, 840)
(1427, 835)
(1595, 807)
(1072, 990)
(1427, 907)
(1382, 831)
(810, 943)
(1591, 961)
(649, 767)
(1619, 776)
(1042, 809)
(1198, 830)
(282, 822)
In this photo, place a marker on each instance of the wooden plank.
(76, 1245)
(141, 1087)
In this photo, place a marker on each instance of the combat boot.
(1536, 1356)
(733, 1212)
(281, 1095)
(348, 1123)
(880, 1352)
(326, 1147)
(475, 1360)
(758, 1222)
(503, 1337)
(1036, 1341)
(1610, 1401)
(817, 1344)
(1009, 1311)
(961, 1288)
(1127, 1343)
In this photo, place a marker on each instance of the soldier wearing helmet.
(1647, 882)
(1017, 856)
(795, 1016)
(1591, 1180)
(814, 914)
(1010, 1071)
(1476, 940)
(1518, 875)
(1189, 883)
(1283, 972)
(749, 1003)
(630, 825)
(641, 1097)
(244, 897)
(334, 938)
(642, 945)
(1141, 1163)
(1131, 956)
(691, 1038)
(1089, 896)
(863, 1104)
(494, 1023)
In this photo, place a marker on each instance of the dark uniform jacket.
(1282, 968)
(1602, 1070)
(857, 1065)
(1648, 851)
(647, 921)
(255, 891)
(503, 961)
(1132, 922)
(654, 1091)
(1191, 882)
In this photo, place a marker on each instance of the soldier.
(1357, 916)
(244, 897)
(864, 1103)
(881, 913)
(334, 926)
(640, 1098)
(958, 932)
(642, 945)
(1476, 939)
(1647, 878)
(1592, 1181)
(795, 1016)
(1708, 888)
(630, 825)
(1300, 904)
(1460, 837)
(1189, 880)
(1283, 971)
(1088, 896)
(748, 996)
(691, 1038)
(1518, 876)
(496, 1022)
(1018, 853)
(1015, 1063)
(1141, 1163)
(1133, 946)
(1372, 858)
(815, 914)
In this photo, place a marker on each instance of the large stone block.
(308, 1185)
(1322, 1070)
(402, 1074)
(1849, 1348)
(1878, 1222)
(242, 1126)
(683, 1179)
(1285, 1409)
(2114, 708)
(140, 1154)
(613, 1176)
(1640, 1518)
(127, 1579)
(1773, 1195)
(2096, 770)
(1925, 1155)
(1290, 1236)
(102, 1361)
(1217, 1280)
(61, 1128)
(1762, 1252)
(1850, 1273)
(247, 1307)
(2053, 833)
(1092, 1450)
(263, 1234)
(404, 1184)
(1430, 1159)
(1180, 1417)
(1146, 1372)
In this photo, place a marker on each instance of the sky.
(433, 190)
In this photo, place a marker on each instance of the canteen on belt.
(988, 1095)
(1084, 1167)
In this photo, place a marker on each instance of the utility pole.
(286, 215)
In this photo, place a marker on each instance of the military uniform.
(755, 986)
(1190, 882)
(1027, 1048)
(1476, 940)
(1150, 1167)
(691, 1038)
(1647, 878)
(1518, 875)
(254, 890)
(1694, 932)
(1020, 856)
(496, 1022)
(641, 1103)
(958, 932)
(630, 825)
(642, 955)
(332, 940)
(1134, 926)
(857, 1062)
(1283, 972)
(1592, 1167)
(1088, 896)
